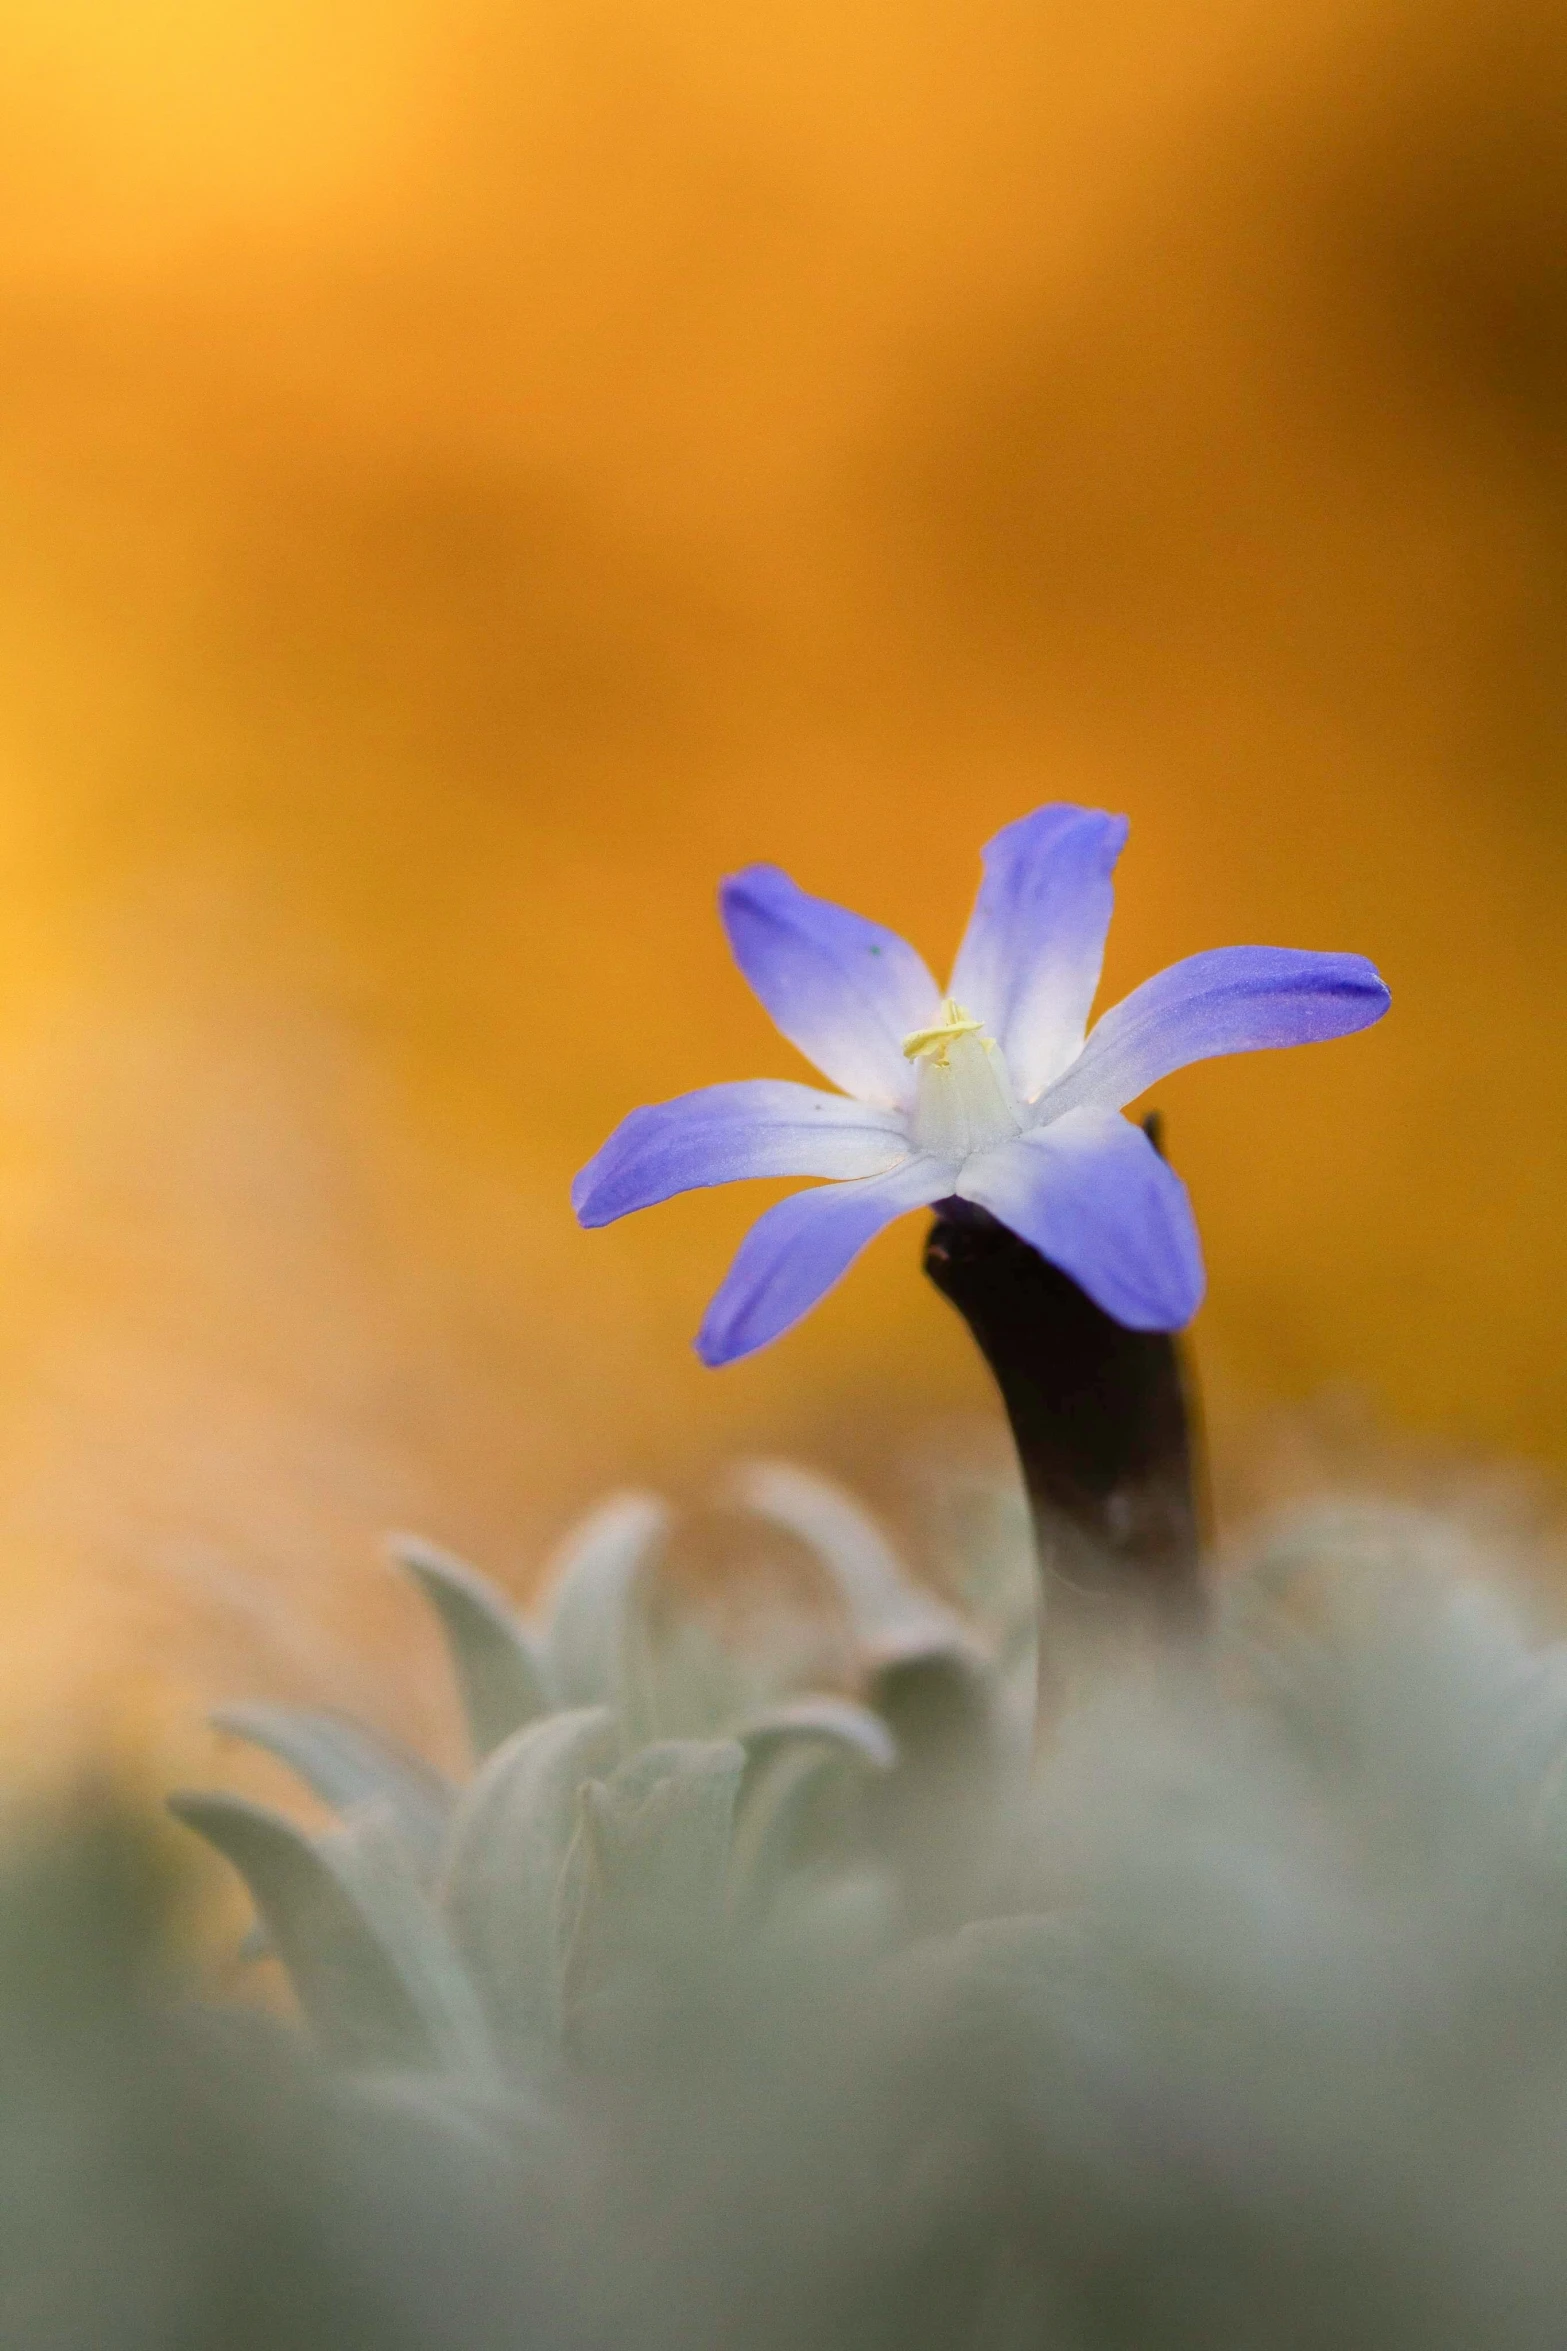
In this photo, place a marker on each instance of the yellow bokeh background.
(471, 475)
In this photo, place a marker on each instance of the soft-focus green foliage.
(1240, 2025)
(645, 1794)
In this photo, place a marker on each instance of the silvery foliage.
(644, 1794)
(1241, 2024)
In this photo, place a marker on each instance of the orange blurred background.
(473, 474)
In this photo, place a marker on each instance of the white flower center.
(965, 1101)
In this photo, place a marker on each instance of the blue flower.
(997, 1093)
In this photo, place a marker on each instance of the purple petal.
(845, 990)
(794, 1254)
(1031, 957)
(1231, 1000)
(760, 1127)
(1092, 1194)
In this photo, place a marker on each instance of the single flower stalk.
(1107, 1441)
(994, 1092)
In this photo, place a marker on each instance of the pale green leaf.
(509, 1839)
(351, 1991)
(889, 1613)
(348, 1764)
(642, 1915)
(501, 1676)
(592, 1607)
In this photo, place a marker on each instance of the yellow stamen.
(954, 1022)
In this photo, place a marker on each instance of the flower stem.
(1103, 1422)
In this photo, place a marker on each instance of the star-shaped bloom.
(997, 1093)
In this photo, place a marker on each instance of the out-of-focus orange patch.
(470, 476)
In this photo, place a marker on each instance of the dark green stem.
(1103, 1422)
